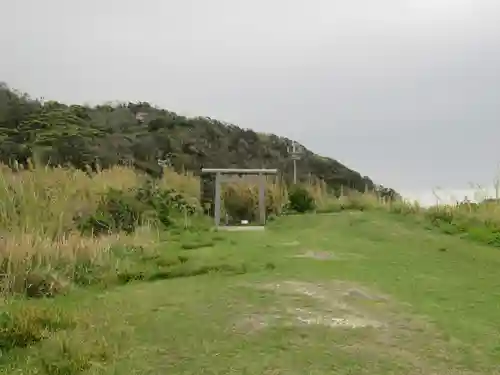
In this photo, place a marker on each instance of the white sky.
(404, 91)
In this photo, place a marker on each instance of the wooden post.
(262, 198)
(217, 199)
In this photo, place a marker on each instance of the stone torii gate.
(223, 175)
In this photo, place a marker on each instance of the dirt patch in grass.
(303, 303)
(318, 255)
(361, 294)
(328, 319)
(322, 255)
(255, 322)
(333, 305)
(336, 293)
(371, 322)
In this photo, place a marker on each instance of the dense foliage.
(139, 134)
(300, 199)
(122, 211)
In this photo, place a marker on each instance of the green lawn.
(352, 293)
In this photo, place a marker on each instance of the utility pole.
(295, 154)
(496, 184)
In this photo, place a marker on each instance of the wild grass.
(42, 252)
(39, 239)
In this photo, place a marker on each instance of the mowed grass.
(414, 301)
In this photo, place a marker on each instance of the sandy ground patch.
(383, 327)
(310, 317)
(302, 303)
(322, 255)
(318, 255)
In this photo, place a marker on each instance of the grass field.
(348, 293)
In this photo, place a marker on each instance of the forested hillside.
(140, 134)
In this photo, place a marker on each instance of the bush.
(301, 200)
(123, 211)
(165, 203)
(117, 211)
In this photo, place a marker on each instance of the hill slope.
(354, 293)
(140, 133)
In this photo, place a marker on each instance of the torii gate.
(222, 175)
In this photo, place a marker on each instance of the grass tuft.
(24, 325)
(69, 355)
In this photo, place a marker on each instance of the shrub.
(123, 211)
(117, 211)
(165, 203)
(301, 200)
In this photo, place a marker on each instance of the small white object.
(244, 222)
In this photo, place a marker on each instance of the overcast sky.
(404, 91)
